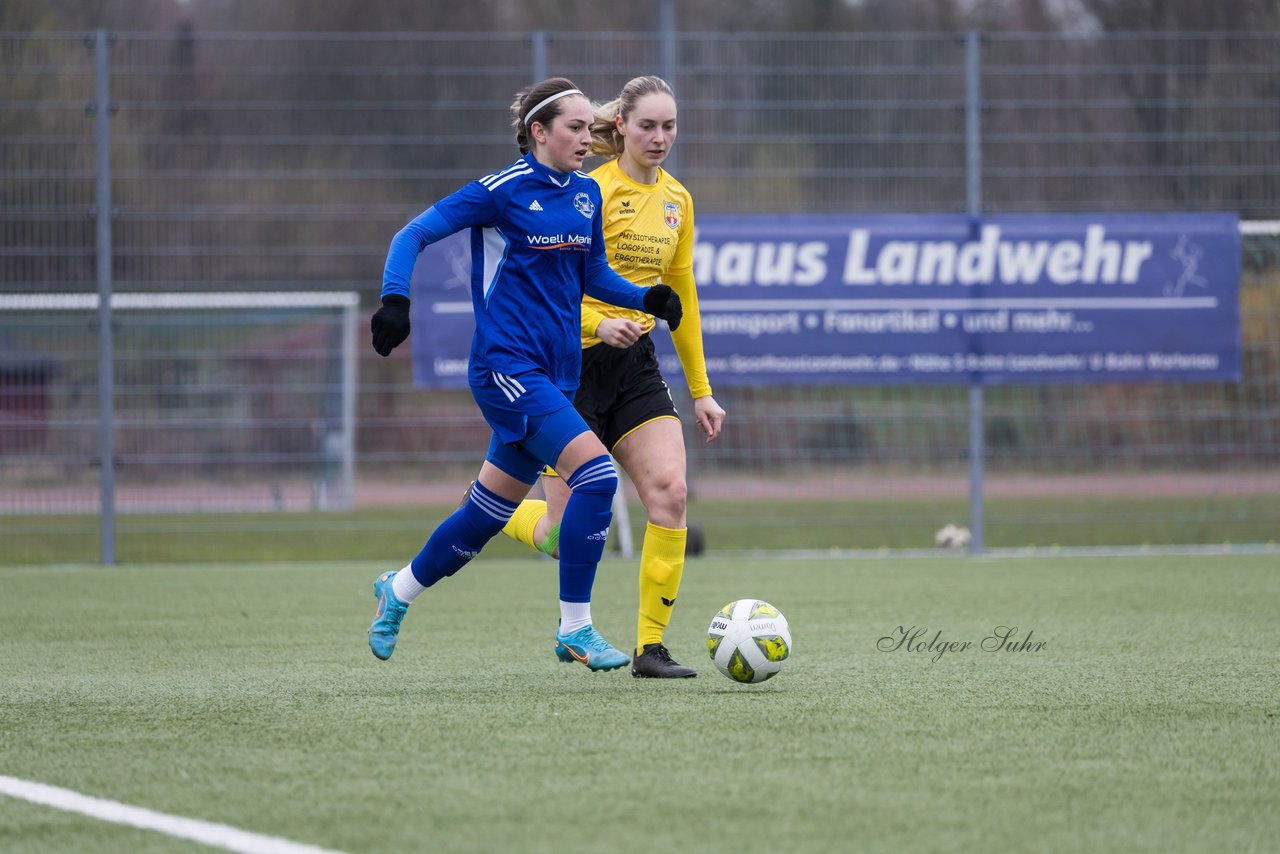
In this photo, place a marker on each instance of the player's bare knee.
(666, 500)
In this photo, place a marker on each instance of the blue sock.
(460, 537)
(585, 526)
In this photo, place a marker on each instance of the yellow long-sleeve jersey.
(648, 237)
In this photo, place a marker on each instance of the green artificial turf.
(246, 695)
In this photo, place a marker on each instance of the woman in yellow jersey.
(648, 232)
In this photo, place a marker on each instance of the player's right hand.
(390, 324)
(664, 304)
(620, 333)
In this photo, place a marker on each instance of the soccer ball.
(954, 537)
(749, 640)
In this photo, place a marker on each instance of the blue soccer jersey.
(536, 245)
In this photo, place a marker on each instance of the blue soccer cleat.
(586, 646)
(386, 620)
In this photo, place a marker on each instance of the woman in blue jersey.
(537, 246)
(649, 236)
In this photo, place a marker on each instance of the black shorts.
(622, 389)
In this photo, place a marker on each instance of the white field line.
(208, 833)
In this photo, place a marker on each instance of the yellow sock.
(661, 565)
(522, 523)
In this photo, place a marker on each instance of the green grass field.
(246, 695)
(873, 523)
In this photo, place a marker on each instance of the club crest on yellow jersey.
(671, 213)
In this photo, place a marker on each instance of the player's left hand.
(710, 416)
(664, 304)
(619, 333)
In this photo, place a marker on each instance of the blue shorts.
(532, 421)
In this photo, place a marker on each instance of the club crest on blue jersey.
(582, 202)
(671, 213)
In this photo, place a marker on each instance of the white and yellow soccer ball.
(749, 640)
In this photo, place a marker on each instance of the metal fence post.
(106, 344)
(539, 56)
(973, 203)
(667, 61)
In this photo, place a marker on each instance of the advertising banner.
(925, 299)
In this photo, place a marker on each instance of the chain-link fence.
(264, 163)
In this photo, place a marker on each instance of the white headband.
(528, 117)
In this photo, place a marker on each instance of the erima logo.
(534, 206)
(626, 210)
(601, 535)
(463, 553)
(666, 601)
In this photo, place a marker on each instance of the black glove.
(390, 324)
(664, 303)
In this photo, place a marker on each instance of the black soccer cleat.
(654, 662)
